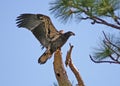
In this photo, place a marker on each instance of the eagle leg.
(44, 57)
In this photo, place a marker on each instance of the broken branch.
(69, 63)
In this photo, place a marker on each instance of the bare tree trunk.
(60, 71)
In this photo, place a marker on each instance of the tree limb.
(109, 40)
(115, 62)
(101, 21)
(69, 63)
(106, 42)
(60, 71)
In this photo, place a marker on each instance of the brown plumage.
(42, 28)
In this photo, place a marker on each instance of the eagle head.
(69, 33)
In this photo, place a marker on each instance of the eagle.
(43, 29)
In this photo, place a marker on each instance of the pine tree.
(96, 11)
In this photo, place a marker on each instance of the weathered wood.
(60, 71)
(69, 63)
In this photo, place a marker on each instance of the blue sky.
(20, 50)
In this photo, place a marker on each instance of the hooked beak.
(73, 34)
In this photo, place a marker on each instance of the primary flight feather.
(43, 29)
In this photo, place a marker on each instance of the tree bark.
(60, 71)
(69, 63)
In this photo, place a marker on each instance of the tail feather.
(44, 57)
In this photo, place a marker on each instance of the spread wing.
(40, 25)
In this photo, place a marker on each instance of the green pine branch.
(94, 10)
(108, 51)
(97, 11)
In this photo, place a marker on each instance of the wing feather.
(40, 25)
(29, 21)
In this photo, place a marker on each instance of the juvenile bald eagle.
(43, 29)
